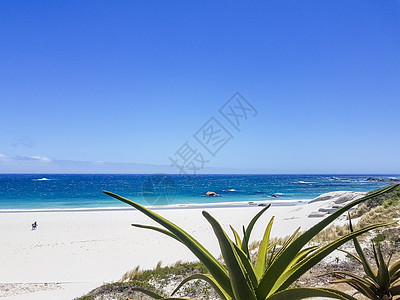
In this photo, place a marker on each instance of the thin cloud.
(40, 158)
(31, 158)
(4, 157)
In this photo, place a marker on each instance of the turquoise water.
(49, 191)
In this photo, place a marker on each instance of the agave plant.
(377, 284)
(272, 273)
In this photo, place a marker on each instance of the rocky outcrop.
(379, 179)
(339, 197)
(331, 202)
(317, 214)
(212, 194)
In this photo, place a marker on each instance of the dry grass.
(158, 266)
(331, 233)
(379, 214)
(376, 215)
(369, 216)
(359, 211)
(131, 275)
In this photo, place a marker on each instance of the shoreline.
(254, 203)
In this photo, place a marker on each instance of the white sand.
(81, 250)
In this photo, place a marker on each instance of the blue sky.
(127, 82)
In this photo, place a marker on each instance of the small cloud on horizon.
(30, 158)
(43, 159)
(4, 157)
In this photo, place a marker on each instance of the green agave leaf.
(302, 255)
(351, 254)
(394, 269)
(271, 257)
(367, 267)
(158, 229)
(375, 255)
(383, 272)
(241, 284)
(359, 279)
(368, 291)
(395, 276)
(208, 278)
(287, 242)
(245, 243)
(354, 284)
(293, 274)
(365, 286)
(250, 273)
(280, 264)
(302, 293)
(395, 290)
(237, 237)
(210, 262)
(260, 264)
(249, 229)
(282, 249)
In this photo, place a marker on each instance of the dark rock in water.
(376, 179)
(212, 194)
(379, 179)
(262, 204)
(274, 196)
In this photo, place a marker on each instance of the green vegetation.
(153, 280)
(163, 273)
(120, 290)
(376, 284)
(274, 269)
(390, 199)
(384, 207)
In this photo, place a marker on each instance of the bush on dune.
(377, 284)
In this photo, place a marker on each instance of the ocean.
(84, 191)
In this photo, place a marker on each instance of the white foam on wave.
(230, 190)
(42, 179)
(163, 207)
(301, 181)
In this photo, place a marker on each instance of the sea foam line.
(164, 207)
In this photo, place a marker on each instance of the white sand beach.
(71, 253)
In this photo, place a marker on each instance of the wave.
(163, 207)
(42, 179)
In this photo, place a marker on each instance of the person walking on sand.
(34, 225)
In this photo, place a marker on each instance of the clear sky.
(132, 81)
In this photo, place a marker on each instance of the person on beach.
(34, 225)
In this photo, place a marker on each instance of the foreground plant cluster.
(273, 273)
